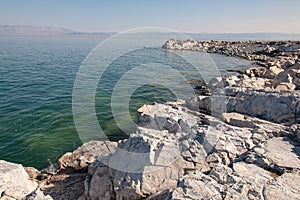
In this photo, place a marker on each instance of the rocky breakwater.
(270, 57)
(240, 139)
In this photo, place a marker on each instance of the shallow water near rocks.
(36, 83)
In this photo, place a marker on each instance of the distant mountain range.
(29, 30)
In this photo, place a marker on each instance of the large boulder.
(16, 184)
(143, 165)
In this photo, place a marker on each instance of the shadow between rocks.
(65, 186)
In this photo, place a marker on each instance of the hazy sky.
(214, 16)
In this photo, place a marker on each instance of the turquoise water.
(36, 82)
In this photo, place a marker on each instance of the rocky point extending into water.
(239, 139)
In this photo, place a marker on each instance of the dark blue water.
(36, 82)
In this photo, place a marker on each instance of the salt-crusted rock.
(161, 117)
(16, 184)
(222, 174)
(146, 164)
(248, 182)
(274, 107)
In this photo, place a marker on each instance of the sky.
(194, 16)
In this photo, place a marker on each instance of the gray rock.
(271, 106)
(198, 186)
(16, 184)
(248, 182)
(287, 186)
(237, 119)
(283, 152)
(255, 72)
(251, 173)
(290, 77)
(272, 71)
(222, 174)
(99, 183)
(279, 154)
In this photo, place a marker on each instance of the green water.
(36, 83)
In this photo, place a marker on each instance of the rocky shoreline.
(239, 139)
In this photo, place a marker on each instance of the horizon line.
(113, 32)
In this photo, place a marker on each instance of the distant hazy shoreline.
(44, 31)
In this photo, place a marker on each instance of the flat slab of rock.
(251, 173)
(237, 119)
(283, 152)
(286, 186)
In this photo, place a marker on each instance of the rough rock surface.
(277, 107)
(287, 186)
(184, 154)
(16, 184)
(85, 155)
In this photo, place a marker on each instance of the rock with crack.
(99, 183)
(65, 186)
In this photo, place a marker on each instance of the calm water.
(36, 82)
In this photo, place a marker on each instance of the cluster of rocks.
(178, 152)
(240, 139)
(274, 57)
